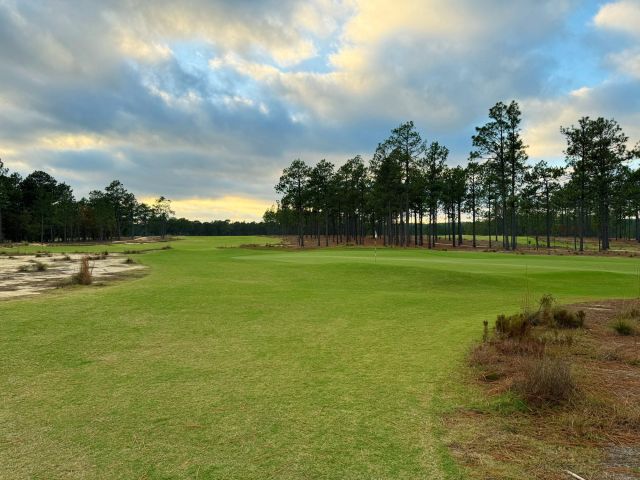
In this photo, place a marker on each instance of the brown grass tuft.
(547, 381)
(84, 275)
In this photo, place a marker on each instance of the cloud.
(622, 16)
(204, 100)
(610, 100)
(229, 207)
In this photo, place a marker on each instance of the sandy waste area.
(22, 275)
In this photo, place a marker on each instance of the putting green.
(240, 363)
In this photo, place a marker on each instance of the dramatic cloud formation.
(206, 101)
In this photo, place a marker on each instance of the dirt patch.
(28, 275)
(596, 434)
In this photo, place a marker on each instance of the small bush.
(129, 261)
(563, 318)
(547, 380)
(514, 326)
(547, 302)
(84, 275)
(623, 327)
(41, 267)
(23, 269)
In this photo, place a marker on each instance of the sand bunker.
(22, 275)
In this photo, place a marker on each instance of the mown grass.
(240, 363)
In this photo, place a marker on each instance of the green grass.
(237, 363)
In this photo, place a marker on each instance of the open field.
(262, 363)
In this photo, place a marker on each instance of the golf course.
(225, 361)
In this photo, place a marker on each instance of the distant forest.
(406, 195)
(409, 196)
(38, 208)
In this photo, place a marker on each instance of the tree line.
(40, 208)
(409, 196)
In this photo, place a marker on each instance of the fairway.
(261, 363)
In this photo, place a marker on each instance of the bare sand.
(20, 276)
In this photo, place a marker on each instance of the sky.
(206, 101)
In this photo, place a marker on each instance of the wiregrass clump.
(547, 381)
(40, 267)
(563, 318)
(84, 275)
(623, 326)
(35, 266)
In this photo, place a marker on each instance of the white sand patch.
(14, 282)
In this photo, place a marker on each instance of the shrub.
(23, 269)
(514, 326)
(547, 380)
(623, 327)
(547, 301)
(563, 318)
(41, 267)
(84, 275)
(129, 261)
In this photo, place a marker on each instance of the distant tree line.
(409, 196)
(38, 208)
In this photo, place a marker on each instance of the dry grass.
(84, 275)
(571, 398)
(547, 380)
(623, 326)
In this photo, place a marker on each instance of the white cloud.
(623, 16)
(211, 98)
(627, 61)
